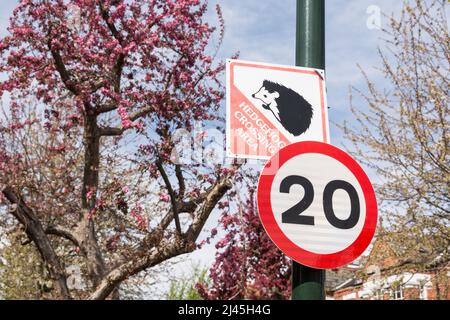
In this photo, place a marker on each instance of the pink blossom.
(90, 193)
(164, 197)
(59, 148)
(259, 265)
(226, 171)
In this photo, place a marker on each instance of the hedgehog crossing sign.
(271, 106)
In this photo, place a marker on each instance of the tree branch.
(63, 233)
(165, 249)
(110, 131)
(107, 107)
(35, 232)
(173, 198)
(216, 193)
(140, 113)
(111, 26)
(181, 183)
(62, 70)
(117, 131)
(118, 67)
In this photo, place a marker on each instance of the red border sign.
(239, 135)
(302, 256)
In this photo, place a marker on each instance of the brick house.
(381, 277)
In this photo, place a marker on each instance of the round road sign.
(317, 204)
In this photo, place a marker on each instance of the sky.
(264, 31)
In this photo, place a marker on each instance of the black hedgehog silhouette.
(294, 112)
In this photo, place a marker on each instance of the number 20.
(293, 215)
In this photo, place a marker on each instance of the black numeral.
(352, 220)
(293, 215)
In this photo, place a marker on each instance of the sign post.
(309, 283)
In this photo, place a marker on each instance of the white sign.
(271, 106)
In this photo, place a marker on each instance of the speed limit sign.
(317, 204)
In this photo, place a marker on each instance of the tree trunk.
(86, 228)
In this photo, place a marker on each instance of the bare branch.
(139, 263)
(173, 198)
(63, 232)
(181, 183)
(110, 131)
(107, 107)
(215, 194)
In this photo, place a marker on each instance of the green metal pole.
(309, 283)
(310, 36)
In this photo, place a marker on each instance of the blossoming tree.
(94, 91)
(248, 265)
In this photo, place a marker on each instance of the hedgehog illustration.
(289, 108)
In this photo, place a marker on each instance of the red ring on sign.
(302, 256)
